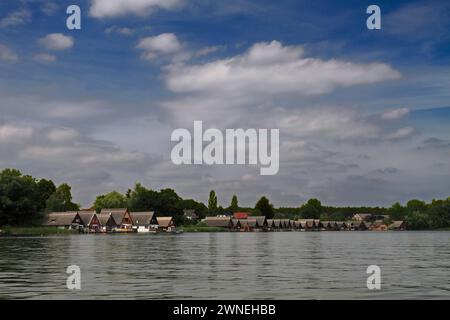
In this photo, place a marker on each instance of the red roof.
(240, 215)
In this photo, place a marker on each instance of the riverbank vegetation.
(25, 199)
(34, 231)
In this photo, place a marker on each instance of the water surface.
(275, 265)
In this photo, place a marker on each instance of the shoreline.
(52, 231)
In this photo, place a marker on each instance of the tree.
(113, 199)
(212, 202)
(234, 203)
(311, 209)
(141, 198)
(397, 211)
(416, 206)
(417, 221)
(61, 200)
(263, 205)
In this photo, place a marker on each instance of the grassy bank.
(34, 231)
(200, 229)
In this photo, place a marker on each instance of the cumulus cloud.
(16, 18)
(45, 57)
(271, 68)
(164, 44)
(7, 54)
(57, 42)
(115, 8)
(68, 155)
(402, 133)
(395, 114)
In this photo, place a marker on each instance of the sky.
(364, 115)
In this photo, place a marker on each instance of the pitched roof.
(241, 215)
(249, 222)
(60, 218)
(219, 221)
(86, 217)
(117, 213)
(277, 223)
(260, 219)
(141, 218)
(164, 221)
(104, 217)
(397, 224)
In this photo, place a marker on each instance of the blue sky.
(363, 115)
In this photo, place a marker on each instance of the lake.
(272, 265)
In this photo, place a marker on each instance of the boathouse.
(144, 221)
(90, 221)
(166, 224)
(67, 220)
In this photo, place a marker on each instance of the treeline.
(24, 199)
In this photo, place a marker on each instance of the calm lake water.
(277, 265)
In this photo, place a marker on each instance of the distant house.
(121, 217)
(277, 225)
(241, 215)
(326, 225)
(249, 224)
(398, 226)
(293, 224)
(144, 221)
(362, 216)
(261, 220)
(379, 225)
(166, 224)
(270, 224)
(190, 215)
(90, 221)
(66, 220)
(106, 221)
(359, 226)
(221, 222)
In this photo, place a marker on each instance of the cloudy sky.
(364, 116)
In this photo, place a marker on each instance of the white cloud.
(16, 18)
(402, 133)
(6, 54)
(10, 133)
(57, 41)
(45, 57)
(395, 114)
(114, 8)
(124, 31)
(271, 68)
(166, 44)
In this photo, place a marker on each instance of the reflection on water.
(286, 265)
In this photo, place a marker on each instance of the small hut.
(144, 221)
(166, 224)
(90, 221)
(398, 226)
(63, 220)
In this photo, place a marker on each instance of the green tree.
(212, 202)
(417, 221)
(312, 209)
(416, 206)
(61, 200)
(234, 203)
(263, 205)
(141, 198)
(397, 211)
(112, 199)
